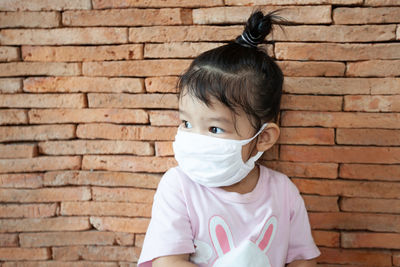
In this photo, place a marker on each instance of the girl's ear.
(268, 137)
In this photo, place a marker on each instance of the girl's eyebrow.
(220, 119)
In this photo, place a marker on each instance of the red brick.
(40, 164)
(370, 172)
(8, 254)
(311, 102)
(396, 259)
(45, 224)
(21, 180)
(40, 132)
(28, 210)
(80, 147)
(128, 163)
(341, 86)
(377, 137)
(194, 33)
(230, 15)
(14, 151)
(13, 116)
(326, 238)
(311, 136)
(127, 17)
(336, 33)
(355, 221)
(38, 5)
(87, 115)
(341, 154)
(398, 33)
(125, 225)
(45, 194)
(370, 240)
(139, 239)
(132, 100)
(305, 169)
(178, 50)
(376, 103)
(8, 240)
(119, 194)
(67, 238)
(64, 36)
(374, 68)
(60, 264)
(337, 52)
(386, 86)
(96, 253)
(161, 67)
(164, 118)
(355, 257)
(8, 53)
(348, 188)
(161, 84)
(101, 4)
(10, 85)
(341, 119)
(100, 178)
(83, 84)
(312, 69)
(317, 203)
(120, 132)
(30, 19)
(106, 209)
(366, 15)
(38, 68)
(82, 53)
(370, 205)
(292, 2)
(43, 100)
(381, 3)
(164, 149)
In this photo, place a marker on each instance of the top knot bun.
(257, 28)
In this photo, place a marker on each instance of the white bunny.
(248, 253)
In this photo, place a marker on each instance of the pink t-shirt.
(266, 227)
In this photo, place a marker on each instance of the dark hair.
(239, 74)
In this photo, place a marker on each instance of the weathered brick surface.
(37, 5)
(36, 68)
(72, 115)
(83, 84)
(127, 17)
(89, 111)
(82, 53)
(367, 15)
(39, 132)
(29, 19)
(10, 85)
(13, 116)
(101, 178)
(81, 147)
(64, 36)
(9, 53)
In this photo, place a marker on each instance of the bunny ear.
(220, 235)
(267, 234)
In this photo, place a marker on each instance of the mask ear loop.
(256, 137)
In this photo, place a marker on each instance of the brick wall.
(88, 112)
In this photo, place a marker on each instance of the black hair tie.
(249, 39)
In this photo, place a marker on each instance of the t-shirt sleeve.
(169, 231)
(301, 243)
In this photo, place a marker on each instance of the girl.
(218, 208)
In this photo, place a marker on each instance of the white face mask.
(212, 161)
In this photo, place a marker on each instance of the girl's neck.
(247, 184)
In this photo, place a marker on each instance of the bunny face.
(248, 253)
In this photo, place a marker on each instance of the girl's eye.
(187, 124)
(216, 130)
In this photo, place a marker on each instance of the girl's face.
(216, 120)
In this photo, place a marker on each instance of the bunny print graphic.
(248, 253)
